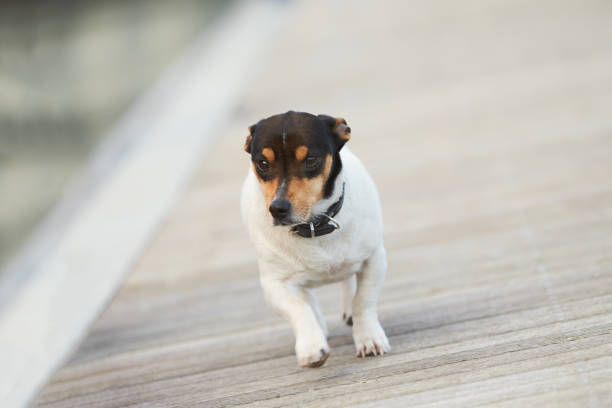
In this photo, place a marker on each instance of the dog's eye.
(263, 165)
(311, 162)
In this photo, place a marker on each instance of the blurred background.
(68, 70)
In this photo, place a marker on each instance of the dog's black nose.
(280, 209)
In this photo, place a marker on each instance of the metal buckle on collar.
(333, 222)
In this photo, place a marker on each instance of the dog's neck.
(321, 224)
(322, 221)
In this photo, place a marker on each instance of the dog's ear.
(338, 128)
(249, 139)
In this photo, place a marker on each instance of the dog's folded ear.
(247, 142)
(339, 129)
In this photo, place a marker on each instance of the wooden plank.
(487, 128)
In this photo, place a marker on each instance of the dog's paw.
(348, 319)
(370, 339)
(311, 353)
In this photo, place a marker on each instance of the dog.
(314, 217)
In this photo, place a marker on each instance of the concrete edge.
(69, 270)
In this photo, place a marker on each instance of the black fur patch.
(284, 133)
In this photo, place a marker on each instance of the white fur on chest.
(325, 259)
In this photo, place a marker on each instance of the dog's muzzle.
(280, 209)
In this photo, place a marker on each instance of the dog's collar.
(322, 224)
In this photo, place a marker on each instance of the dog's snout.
(280, 209)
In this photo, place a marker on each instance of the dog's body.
(302, 156)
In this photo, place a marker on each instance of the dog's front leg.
(292, 303)
(368, 334)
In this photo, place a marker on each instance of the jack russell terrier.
(314, 216)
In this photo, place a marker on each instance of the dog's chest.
(319, 265)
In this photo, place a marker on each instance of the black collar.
(322, 224)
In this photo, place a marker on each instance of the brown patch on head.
(247, 142)
(342, 130)
(338, 128)
(268, 154)
(300, 153)
(303, 193)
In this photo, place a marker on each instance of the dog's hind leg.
(368, 334)
(349, 286)
(293, 303)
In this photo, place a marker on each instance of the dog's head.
(295, 157)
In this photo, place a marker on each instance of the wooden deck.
(488, 128)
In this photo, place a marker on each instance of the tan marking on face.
(269, 187)
(268, 154)
(300, 153)
(303, 193)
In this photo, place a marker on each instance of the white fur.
(290, 265)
